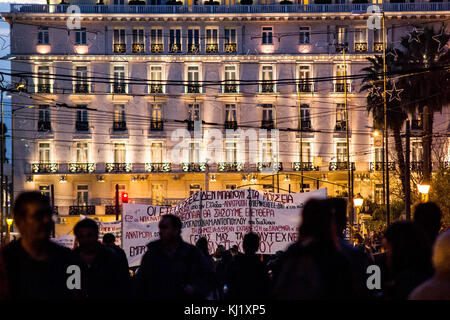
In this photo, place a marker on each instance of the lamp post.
(424, 190)
(9, 222)
(358, 202)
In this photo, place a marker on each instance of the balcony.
(230, 166)
(306, 125)
(264, 166)
(175, 48)
(81, 88)
(193, 88)
(416, 124)
(193, 48)
(156, 88)
(416, 166)
(305, 87)
(158, 167)
(44, 88)
(231, 9)
(230, 88)
(230, 48)
(230, 125)
(137, 48)
(267, 124)
(119, 126)
(84, 210)
(212, 48)
(44, 167)
(341, 165)
(378, 46)
(44, 126)
(190, 125)
(157, 48)
(119, 48)
(81, 167)
(304, 166)
(82, 126)
(379, 166)
(341, 125)
(119, 88)
(340, 87)
(360, 46)
(156, 125)
(118, 167)
(194, 167)
(267, 87)
(111, 210)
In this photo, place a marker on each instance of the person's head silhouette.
(251, 243)
(86, 232)
(428, 216)
(170, 228)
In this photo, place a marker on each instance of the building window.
(82, 122)
(361, 39)
(43, 80)
(119, 85)
(119, 153)
(193, 77)
(379, 155)
(304, 35)
(138, 41)
(156, 117)
(80, 36)
(44, 152)
(212, 40)
(305, 153)
(82, 195)
(194, 188)
(341, 152)
(378, 40)
(156, 85)
(267, 35)
(43, 35)
(45, 190)
(341, 73)
(305, 117)
(416, 151)
(119, 117)
(267, 84)
(119, 42)
(231, 152)
(157, 194)
(193, 115)
(44, 123)
(157, 152)
(81, 81)
(341, 119)
(266, 151)
(194, 152)
(304, 73)
(156, 40)
(82, 152)
(230, 42)
(230, 85)
(267, 116)
(193, 40)
(230, 116)
(341, 35)
(379, 194)
(175, 40)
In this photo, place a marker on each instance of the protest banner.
(223, 217)
(114, 227)
(67, 241)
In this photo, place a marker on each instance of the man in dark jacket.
(34, 267)
(104, 276)
(172, 269)
(109, 241)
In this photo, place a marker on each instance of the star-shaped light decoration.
(394, 93)
(374, 91)
(440, 39)
(414, 35)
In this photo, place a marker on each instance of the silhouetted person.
(313, 267)
(235, 251)
(33, 267)
(248, 278)
(428, 216)
(109, 241)
(104, 275)
(172, 269)
(438, 287)
(408, 259)
(222, 267)
(202, 244)
(356, 255)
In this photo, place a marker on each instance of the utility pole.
(426, 146)
(117, 202)
(407, 173)
(386, 144)
(301, 140)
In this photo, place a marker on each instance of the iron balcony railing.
(276, 166)
(119, 48)
(44, 88)
(341, 125)
(119, 126)
(175, 48)
(193, 48)
(267, 124)
(306, 125)
(360, 46)
(341, 165)
(82, 126)
(230, 88)
(44, 126)
(119, 88)
(378, 46)
(115, 167)
(194, 167)
(231, 125)
(157, 48)
(111, 210)
(305, 87)
(156, 88)
(193, 88)
(230, 166)
(84, 210)
(212, 48)
(305, 166)
(416, 166)
(44, 167)
(138, 48)
(156, 125)
(267, 87)
(81, 167)
(233, 9)
(158, 167)
(340, 87)
(379, 166)
(81, 88)
(230, 47)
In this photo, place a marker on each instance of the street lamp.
(9, 222)
(423, 190)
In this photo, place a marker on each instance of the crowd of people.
(413, 264)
